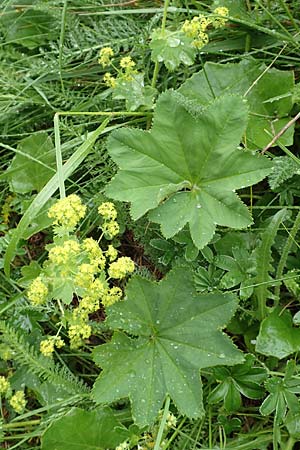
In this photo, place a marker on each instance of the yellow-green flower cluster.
(94, 252)
(127, 64)
(61, 254)
(125, 72)
(47, 345)
(123, 446)
(105, 55)
(120, 268)
(4, 385)
(109, 213)
(222, 17)
(18, 402)
(109, 80)
(78, 333)
(67, 211)
(171, 420)
(196, 29)
(37, 292)
(5, 352)
(112, 296)
(111, 253)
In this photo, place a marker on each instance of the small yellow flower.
(89, 304)
(47, 347)
(111, 229)
(4, 385)
(18, 402)
(193, 27)
(59, 343)
(112, 253)
(112, 296)
(67, 211)
(94, 252)
(107, 211)
(127, 63)
(109, 80)
(223, 13)
(201, 41)
(85, 275)
(37, 292)
(123, 446)
(105, 55)
(77, 333)
(171, 420)
(121, 267)
(61, 254)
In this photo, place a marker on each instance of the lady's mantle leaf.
(82, 430)
(249, 78)
(186, 168)
(177, 332)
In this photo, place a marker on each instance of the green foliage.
(200, 147)
(187, 167)
(173, 340)
(48, 190)
(240, 267)
(264, 266)
(172, 48)
(29, 27)
(79, 430)
(33, 165)
(282, 395)
(242, 379)
(134, 92)
(257, 84)
(28, 357)
(284, 168)
(277, 335)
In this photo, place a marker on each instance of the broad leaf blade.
(185, 168)
(249, 78)
(82, 430)
(33, 165)
(178, 333)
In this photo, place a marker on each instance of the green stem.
(59, 163)
(61, 42)
(286, 249)
(162, 424)
(290, 443)
(163, 27)
(24, 424)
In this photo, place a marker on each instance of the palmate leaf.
(186, 168)
(83, 430)
(249, 78)
(176, 333)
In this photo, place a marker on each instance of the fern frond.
(43, 367)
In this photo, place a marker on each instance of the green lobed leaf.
(173, 332)
(249, 78)
(186, 168)
(82, 430)
(172, 48)
(134, 92)
(277, 336)
(33, 165)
